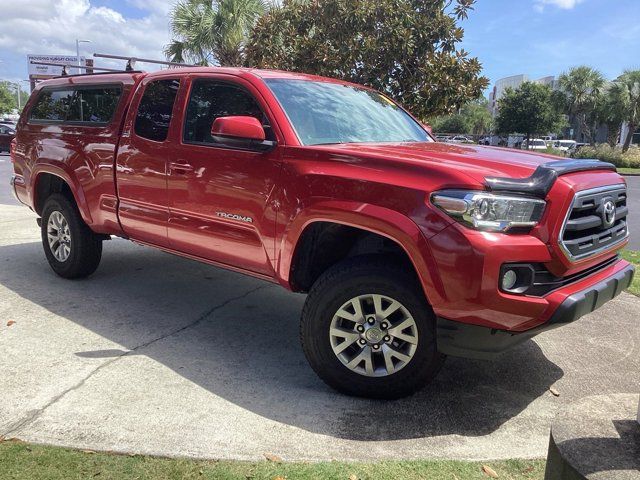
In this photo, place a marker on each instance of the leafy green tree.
(477, 117)
(212, 31)
(7, 100)
(9, 97)
(583, 87)
(611, 109)
(629, 83)
(408, 49)
(450, 124)
(474, 117)
(529, 110)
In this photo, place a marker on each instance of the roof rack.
(131, 61)
(66, 66)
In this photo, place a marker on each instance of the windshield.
(323, 113)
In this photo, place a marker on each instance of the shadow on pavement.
(246, 350)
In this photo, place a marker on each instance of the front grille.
(590, 226)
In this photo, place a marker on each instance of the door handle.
(180, 167)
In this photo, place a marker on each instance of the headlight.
(488, 211)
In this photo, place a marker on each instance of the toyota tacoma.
(409, 249)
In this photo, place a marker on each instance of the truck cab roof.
(132, 77)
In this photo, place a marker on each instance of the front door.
(220, 198)
(141, 165)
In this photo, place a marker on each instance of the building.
(514, 82)
(573, 131)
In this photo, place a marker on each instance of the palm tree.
(212, 31)
(630, 83)
(611, 110)
(583, 87)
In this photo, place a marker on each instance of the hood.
(475, 161)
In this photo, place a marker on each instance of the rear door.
(220, 198)
(141, 166)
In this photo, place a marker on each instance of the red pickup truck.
(409, 249)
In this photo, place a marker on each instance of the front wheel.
(72, 249)
(367, 330)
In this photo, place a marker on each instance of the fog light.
(509, 279)
(516, 278)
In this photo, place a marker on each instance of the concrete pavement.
(160, 355)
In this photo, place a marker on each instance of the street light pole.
(78, 42)
(16, 85)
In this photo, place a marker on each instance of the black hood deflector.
(543, 178)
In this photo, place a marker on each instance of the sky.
(534, 37)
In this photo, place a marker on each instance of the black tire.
(371, 274)
(85, 246)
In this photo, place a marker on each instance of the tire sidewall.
(317, 321)
(71, 215)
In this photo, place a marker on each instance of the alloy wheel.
(373, 335)
(59, 236)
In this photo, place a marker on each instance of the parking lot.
(162, 355)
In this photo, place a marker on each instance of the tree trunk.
(586, 131)
(627, 141)
(613, 135)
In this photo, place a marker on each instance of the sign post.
(44, 72)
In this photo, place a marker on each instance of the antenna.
(131, 61)
(66, 66)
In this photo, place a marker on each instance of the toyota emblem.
(608, 213)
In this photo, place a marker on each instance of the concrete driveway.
(160, 355)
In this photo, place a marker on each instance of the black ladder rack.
(131, 61)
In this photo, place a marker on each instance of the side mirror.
(241, 132)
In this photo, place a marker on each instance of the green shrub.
(552, 151)
(604, 152)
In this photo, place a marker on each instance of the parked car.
(442, 138)
(566, 146)
(409, 250)
(548, 140)
(534, 144)
(6, 135)
(493, 140)
(580, 145)
(460, 139)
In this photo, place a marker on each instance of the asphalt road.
(633, 185)
(161, 355)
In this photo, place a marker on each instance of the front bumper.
(474, 341)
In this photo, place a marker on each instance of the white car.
(459, 139)
(565, 145)
(535, 144)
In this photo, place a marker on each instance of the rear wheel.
(72, 249)
(367, 329)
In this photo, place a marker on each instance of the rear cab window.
(87, 105)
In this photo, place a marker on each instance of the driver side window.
(210, 99)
